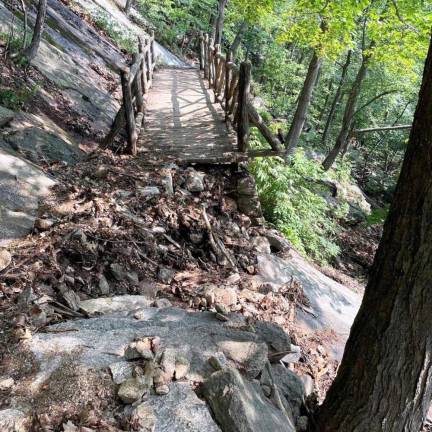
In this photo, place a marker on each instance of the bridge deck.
(181, 122)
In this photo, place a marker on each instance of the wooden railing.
(136, 80)
(231, 85)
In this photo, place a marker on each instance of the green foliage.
(14, 45)
(15, 99)
(125, 39)
(378, 216)
(175, 19)
(292, 201)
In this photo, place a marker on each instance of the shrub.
(294, 202)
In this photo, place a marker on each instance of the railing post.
(152, 49)
(242, 108)
(137, 89)
(201, 50)
(206, 56)
(129, 113)
(217, 63)
(143, 65)
(227, 83)
(149, 62)
(210, 62)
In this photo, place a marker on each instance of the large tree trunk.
(220, 22)
(336, 98)
(237, 40)
(384, 382)
(348, 115)
(304, 100)
(31, 51)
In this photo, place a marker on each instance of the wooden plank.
(242, 110)
(129, 113)
(136, 64)
(201, 51)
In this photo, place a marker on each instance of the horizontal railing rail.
(231, 84)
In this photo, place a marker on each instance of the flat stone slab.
(101, 341)
(334, 305)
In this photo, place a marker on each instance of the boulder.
(274, 336)
(239, 406)
(290, 387)
(13, 420)
(132, 390)
(261, 244)
(142, 417)
(181, 411)
(5, 259)
(194, 181)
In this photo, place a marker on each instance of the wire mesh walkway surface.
(182, 123)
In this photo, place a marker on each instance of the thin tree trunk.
(336, 98)
(350, 108)
(237, 40)
(324, 105)
(304, 100)
(128, 6)
(384, 383)
(31, 51)
(220, 22)
(24, 10)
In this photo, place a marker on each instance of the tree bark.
(336, 98)
(128, 6)
(305, 97)
(237, 40)
(220, 22)
(31, 51)
(384, 383)
(350, 108)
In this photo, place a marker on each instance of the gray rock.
(106, 305)
(274, 336)
(132, 278)
(103, 284)
(162, 390)
(334, 305)
(195, 336)
(181, 411)
(121, 371)
(308, 384)
(218, 361)
(194, 181)
(43, 224)
(142, 417)
(117, 271)
(290, 386)
(261, 244)
(293, 356)
(166, 275)
(246, 186)
(13, 420)
(302, 424)
(182, 366)
(148, 191)
(162, 303)
(5, 259)
(6, 116)
(277, 241)
(6, 383)
(131, 390)
(239, 407)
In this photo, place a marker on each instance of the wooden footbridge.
(189, 115)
